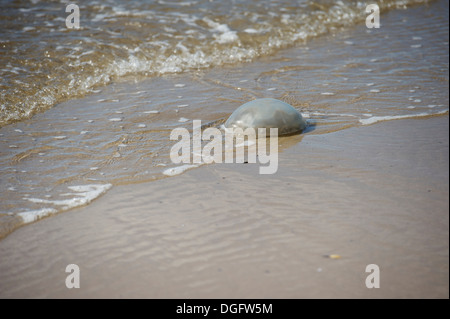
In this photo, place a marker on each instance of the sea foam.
(83, 195)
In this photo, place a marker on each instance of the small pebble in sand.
(333, 256)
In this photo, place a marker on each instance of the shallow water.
(338, 75)
(43, 61)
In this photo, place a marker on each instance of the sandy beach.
(85, 124)
(371, 195)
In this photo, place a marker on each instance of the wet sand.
(375, 194)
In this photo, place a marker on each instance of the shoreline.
(374, 194)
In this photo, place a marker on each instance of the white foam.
(33, 215)
(375, 119)
(327, 93)
(151, 112)
(116, 119)
(142, 125)
(251, 31)
(246, 143)
(415, 46)
(374, 91)
(180, 85)
(183, 119)
(178, 170)
(331, 114)
(26, 29)
(85, 194)
(226, 35)
(182, 105)
(61, 137)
